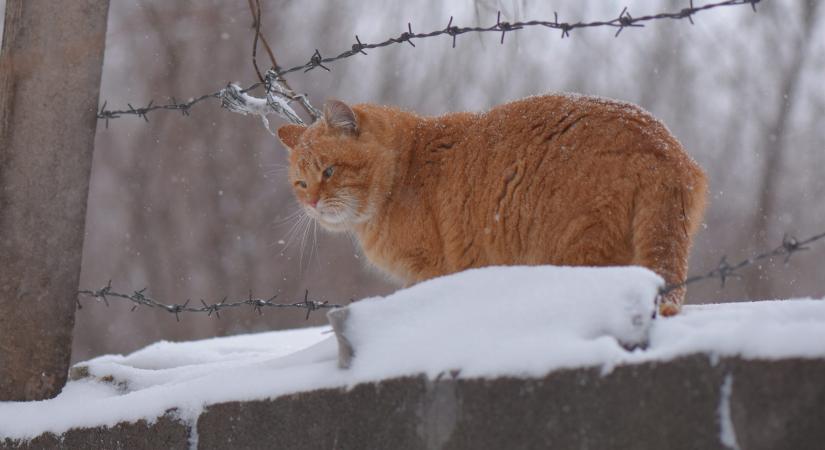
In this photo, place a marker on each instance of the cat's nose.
(313, 203)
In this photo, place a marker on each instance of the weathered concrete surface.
(49, 81)
(672, 405)
(384, 415)
(779, 405)
(650, 406)
(165, 433)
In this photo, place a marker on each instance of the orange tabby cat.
(555, 179)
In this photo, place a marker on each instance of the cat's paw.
(668, 309)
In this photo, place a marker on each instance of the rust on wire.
(620, 22)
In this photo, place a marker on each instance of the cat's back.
(576, 121)
(544, 165)
(565, 135)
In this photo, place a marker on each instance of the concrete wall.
(689, 403)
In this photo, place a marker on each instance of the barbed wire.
(139, 298)
(724, 270)
(316, 60)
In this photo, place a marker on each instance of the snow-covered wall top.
(503, 321)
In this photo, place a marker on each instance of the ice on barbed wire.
(282, 108)
(278, 86)
(234, 99)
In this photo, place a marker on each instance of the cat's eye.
(303, 184)
(329, 171)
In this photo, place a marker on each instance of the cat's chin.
(335, 227)
(332, 222)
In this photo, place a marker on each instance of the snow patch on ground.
(517, 321)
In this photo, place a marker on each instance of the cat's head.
(337, 166)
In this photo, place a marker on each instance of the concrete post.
(50, 69)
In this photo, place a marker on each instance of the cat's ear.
(289, 134)
(339, 116)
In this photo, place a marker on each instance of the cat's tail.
(667, 214)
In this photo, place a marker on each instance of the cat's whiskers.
(291, 216)
(286, 238)
(292, 233)
(309, 221)
(275, 170)
(315, 244)
(338, 210)
(304, 237)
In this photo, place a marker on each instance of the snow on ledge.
(501, 321)
(516, 321)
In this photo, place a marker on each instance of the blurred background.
(197, 207)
